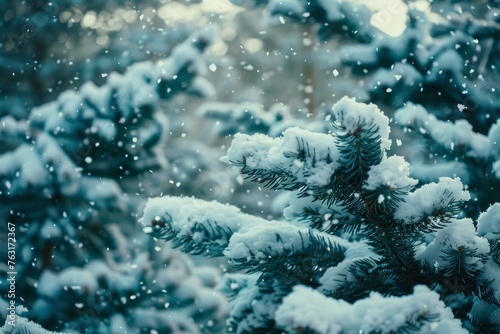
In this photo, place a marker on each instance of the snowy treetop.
(352, 115)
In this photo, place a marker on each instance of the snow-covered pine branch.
(306, 310)
(75, 269)
(348, 188)
(458, 150)
(156, 289)
(453, 59)
(118, 121)
(457, 136)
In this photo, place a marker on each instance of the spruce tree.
(360, 248)
(80, 266)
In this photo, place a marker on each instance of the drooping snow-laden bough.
(360, 247)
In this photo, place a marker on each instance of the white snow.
(137, 88)
(491, 274)
(79, 280)
(430, 198)
(252, 243)
(351, 115)
(431, 173)
(496, 169)
(279, 154)
(494, 140)
(309, 309)
(392, 172)
(23, 325)
(488, 223)
(32, 174)
(48, 284)
(458, 234)
(338, 276)
(390, 77)
(98, 189)
(449, 61)
(444, 133)
(181, 214)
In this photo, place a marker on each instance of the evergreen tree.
(48, 46)
(360, 249)
(79, 266)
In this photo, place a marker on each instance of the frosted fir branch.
(294, 255)
(457, 136)
(397, 85)
(488, 226)
(318, 216)
(391, 49)
(387, 185)
(488, 223)
(198, 226)
(160, 285)
(359, 273)
(140, 86)
(421, 312)
(496, 169)
(432, 204)
(353, 117)
(254, 308)
(299, 160)
(431, 173)
(362, 134)
(459, 235)
(459, 255)
(252, 243)
(392, 173)
(52, 171)
(305, 161)
(232, 118)
(490, 288)
(232, 284)
(48, 165)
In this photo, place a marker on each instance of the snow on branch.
(197, 226)
(119, 118)
(297, 161)
(353, 116)
(422, 311)
(432, 202)
(365, 231)
(458, 135)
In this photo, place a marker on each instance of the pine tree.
(49, 46)
(79, 266)
(360, 249)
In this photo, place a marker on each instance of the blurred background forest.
(106, 103)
